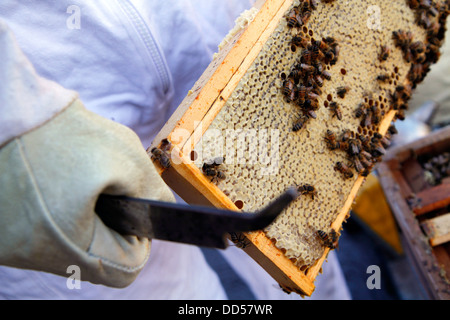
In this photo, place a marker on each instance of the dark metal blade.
(197, 225)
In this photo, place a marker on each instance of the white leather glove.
(51, 178)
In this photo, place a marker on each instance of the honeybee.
(307, 189)
(329, 240)
(377, 148)
(417, 47)
(330, 139)
(295, 75)
(316, 89)
(306, 67)
(162, 157)
(433, 53)
(334, 107)
(425, 4)
(239, 240)
(300, 41)
(330, 40)
(376, 115)
(288, 86)
(402, 39)
(365, 159)
(292, 96)
(299, 123)
(423, 19)
(433, 11)
(318, 80)
(342, 145)
(322, 45)
(211, 169)
(319, 67)
(383, 77)
(413, 4)
(334, 55)
(417, 50)
(307, 56)
(306, 14)
(384, 53)
(311, 4)
(364, 141)
(367, 119)
(392, 130)
(403, 92)
(326, 75)
(420, 57)
(302, 93)
(330, 54)
(292, 17)
(344, 169)
(382, 139)
(342, 91)
(433, 29)
(165, 144)
(310, 113)
(313, 97)
(317, 54)
(354, 146)
(357, 164)
(214, 173)
(346, 135)
(416, 4)
(361, 110)
(417, 72)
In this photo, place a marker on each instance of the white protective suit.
(132, 62)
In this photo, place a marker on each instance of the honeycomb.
(254, 129)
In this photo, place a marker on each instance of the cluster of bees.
(369, 114)
(362, 152)
(432, 17)
(437, 168)
(212, 168)
(303, 84)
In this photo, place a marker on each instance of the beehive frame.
(194, 116)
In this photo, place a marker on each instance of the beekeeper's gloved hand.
(52, 174)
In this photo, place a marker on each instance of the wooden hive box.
(422, 208)
(238, 110)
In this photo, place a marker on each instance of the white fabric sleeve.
(26, 99)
